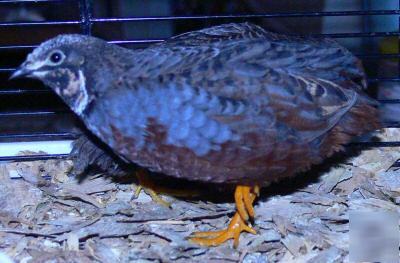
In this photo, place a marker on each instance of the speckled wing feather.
(237, 104)
(321, 56)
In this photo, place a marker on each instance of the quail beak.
(20, 72)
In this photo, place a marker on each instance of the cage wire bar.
(87, 20)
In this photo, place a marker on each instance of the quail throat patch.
(77, 88)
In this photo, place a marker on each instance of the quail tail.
(244, 198)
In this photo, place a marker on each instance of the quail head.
(228, 104)
(68, 62)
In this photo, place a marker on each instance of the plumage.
(90, 156)
(228, 104)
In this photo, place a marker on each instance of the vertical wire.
(398, 39)
(85, 10)
(366, 24)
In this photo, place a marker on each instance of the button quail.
(231, 104)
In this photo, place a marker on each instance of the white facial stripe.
(35, 65)
(40, 74)
(83, 100)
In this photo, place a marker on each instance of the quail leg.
(244, 198)
(146, 184)
(149, 187)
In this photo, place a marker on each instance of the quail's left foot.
(152, 189)
(154, 195)
(244, 198)
(149, 187)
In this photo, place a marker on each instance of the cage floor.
(54, 217)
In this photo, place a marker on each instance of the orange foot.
(244, 198)
(152, 189)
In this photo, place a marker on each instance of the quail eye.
(56, 57)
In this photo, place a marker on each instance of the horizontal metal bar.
(265, 15)
(207, 17)
(375, 80)
(36, 157)
(18, 47)
(7, 69)
(356, 35)
(117, 42)
(27, 158)
(41, 23)
(41, 136)
(331, 35)
(33, 113)
(136, 41)
(29, 1)
(23, 91)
